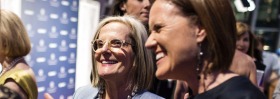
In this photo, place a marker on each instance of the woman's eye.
(246, 39)
(116, 43)
(157, 28)
(99, 45)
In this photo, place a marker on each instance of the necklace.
(13, 63)
(101, 91)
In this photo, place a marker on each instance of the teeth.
(108, 62)
(159, 55)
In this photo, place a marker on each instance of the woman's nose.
(105, 47)
(147, 3)
(151, 43)
(239, 43)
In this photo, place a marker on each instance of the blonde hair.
(141, 75)
(242, 28)
(14, 40)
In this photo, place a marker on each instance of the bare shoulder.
(244, 60)
(242, 64)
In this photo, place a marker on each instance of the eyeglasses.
(114, 43)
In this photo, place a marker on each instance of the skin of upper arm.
(244, 65)
(275, 63)
(15, 87)
(253, 71)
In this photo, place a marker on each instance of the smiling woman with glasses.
(122, 66)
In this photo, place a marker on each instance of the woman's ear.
(123, 7)
(200, 34)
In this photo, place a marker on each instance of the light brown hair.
(14, 40)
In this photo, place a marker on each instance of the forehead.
(162, 6)
(163, 9)
(115, 29)
(244, 34)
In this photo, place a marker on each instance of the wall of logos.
(52, 28)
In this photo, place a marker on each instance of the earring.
(123, 9)
(199, 61)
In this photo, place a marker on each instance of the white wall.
(12, 5)
(89, 12)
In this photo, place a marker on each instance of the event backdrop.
(52, 28)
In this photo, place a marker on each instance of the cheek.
(96, 56)
(124, 55)
(247, 44)
(242, 43)
(133, 10)
(128, 57)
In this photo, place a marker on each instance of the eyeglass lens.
(115, 43)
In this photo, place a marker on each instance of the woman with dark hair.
(194, 41)
(139, 9)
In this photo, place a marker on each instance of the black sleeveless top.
(235, 88)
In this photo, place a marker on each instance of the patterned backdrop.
(52, 28)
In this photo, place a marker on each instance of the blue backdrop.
(52, 28)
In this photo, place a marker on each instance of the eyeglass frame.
(123, 42)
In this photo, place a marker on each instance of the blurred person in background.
(191, 46)
(122, 66)
(272, 70)
(14, 45)
(247, 43)
(244, 65)
(139, 9)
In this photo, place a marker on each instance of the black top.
(260, 65)
(235, 88)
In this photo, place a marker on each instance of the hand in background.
(186, 96)
(48, 96)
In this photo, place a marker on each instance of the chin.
(105, 74)
(162, 75)
(145, 20)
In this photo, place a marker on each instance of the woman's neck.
(212, 80)
(6, 63)
(116, 91)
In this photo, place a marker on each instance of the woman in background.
(247, 43)
(139, 9)
(14, 45)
